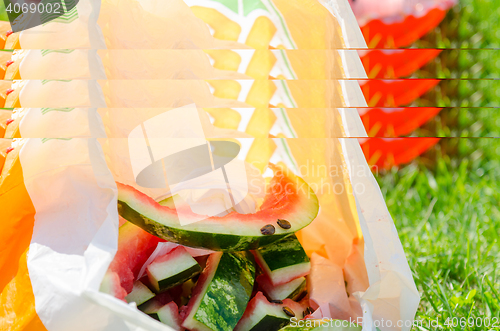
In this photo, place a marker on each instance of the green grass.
(3, 13)
(446, 203)
(449, 224)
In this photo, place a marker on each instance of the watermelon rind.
(264, 315)
(111, 285)
(140, 294)
(169, 315)
(293, 290)
(283, 261)
(222, 292)
(151, 308)
(288, 197)
(173, 269)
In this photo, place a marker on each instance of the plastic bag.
(184, 64)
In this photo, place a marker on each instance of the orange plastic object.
(4, 116)
(384, 153)
(396, 63)
(12, 41)
(12, 98)
(380, 35)
(4, 146)
(17, 302)
(396, 122)
(11, 71)
(395, 93)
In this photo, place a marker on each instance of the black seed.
(301, 296)
(284, 224)
(267, 229)
(288, 311)
(308, 311)
(279, 302)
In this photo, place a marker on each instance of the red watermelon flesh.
(169, 315)
(288, 197)
(183, 311)
(134, 248)
(111, 285)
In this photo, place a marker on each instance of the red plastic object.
(395, 93)
(396, 63)
(401, 34)
(384, 153)
(396, 122)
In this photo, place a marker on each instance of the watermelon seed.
(308, 311)
(288, 311)
(279, 302)
(267, 229)
(284, 224)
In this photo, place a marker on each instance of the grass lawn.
(449, 223)
(446, 203)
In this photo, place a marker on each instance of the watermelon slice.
(166, 313)
(140, 294)
(221, 295)
(151, 308)
(169, 315)
(283, 261)
(171, 269)
(110, 284)
(321, 325)
(264, 315)
(293, 290)
(134, 247)
(288, 198)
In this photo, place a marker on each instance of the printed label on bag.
(26, 14)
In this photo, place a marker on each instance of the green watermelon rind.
(263, 315)
(173, 269)
(178, 279)
(270, 323)
(140, 294)
(151, 309)
(294, 290)
(233, 232)
(223, 292)
(283, 261)
(299, 292)
(193, 238)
